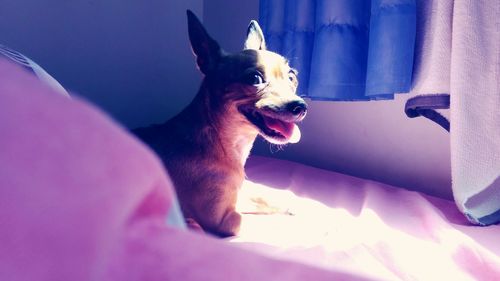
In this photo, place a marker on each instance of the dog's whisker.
(273, 148)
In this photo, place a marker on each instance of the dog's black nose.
(298, 108)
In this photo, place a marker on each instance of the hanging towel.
(475, 109)
(457, 52)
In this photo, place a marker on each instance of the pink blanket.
(81, 199)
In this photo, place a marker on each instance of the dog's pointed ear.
(206, 49)
(255, 37)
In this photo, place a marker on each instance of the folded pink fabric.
(81, 199)
(71, 180)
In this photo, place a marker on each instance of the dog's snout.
(298, 108)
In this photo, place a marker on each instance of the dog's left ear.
(255, 37)
(207, 50)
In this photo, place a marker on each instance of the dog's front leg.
(210, 206)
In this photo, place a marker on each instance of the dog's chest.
(242, 147)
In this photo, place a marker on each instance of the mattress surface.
(339, 222)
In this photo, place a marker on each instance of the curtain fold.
(344, 49)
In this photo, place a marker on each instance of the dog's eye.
(292, 76)
(255, 78)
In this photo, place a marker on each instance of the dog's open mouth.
(272, 127)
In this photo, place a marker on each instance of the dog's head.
(255, 83)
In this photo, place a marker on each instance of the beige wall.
(132, 58)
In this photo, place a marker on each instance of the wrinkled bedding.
(334, 221)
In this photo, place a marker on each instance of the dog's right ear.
(206, 49)
(255, 37)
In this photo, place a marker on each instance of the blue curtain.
(344, 49)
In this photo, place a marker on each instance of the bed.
(381, 232)
(82, 199)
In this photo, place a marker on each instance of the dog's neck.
(225, 129)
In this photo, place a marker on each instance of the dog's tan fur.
(205, 147)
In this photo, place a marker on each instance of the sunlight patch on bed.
(306, 230)
(282, 219)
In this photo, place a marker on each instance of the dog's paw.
(230, 224)
(193, 225)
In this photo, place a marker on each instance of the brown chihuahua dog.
(204, 148)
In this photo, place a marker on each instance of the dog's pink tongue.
(295, 135)
(289, 130)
